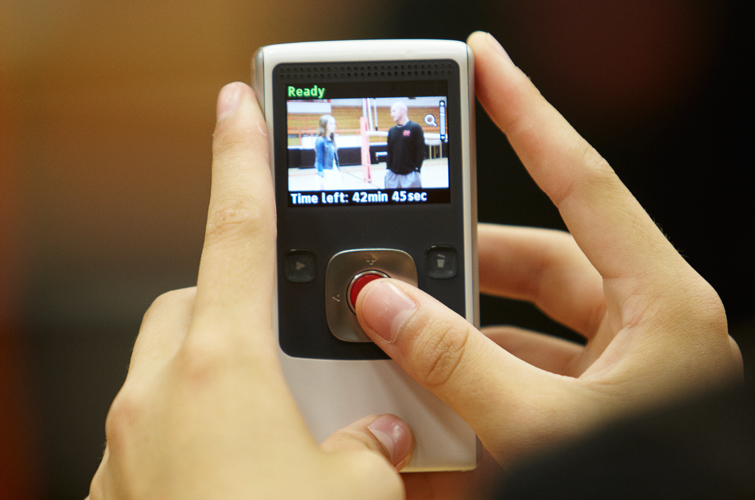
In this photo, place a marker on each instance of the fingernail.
(394, 435)
(385, 308)
(228, 100)
(497, 46)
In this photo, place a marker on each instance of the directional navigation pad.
(348, 268)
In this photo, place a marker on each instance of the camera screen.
(366, 150)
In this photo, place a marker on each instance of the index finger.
(608, 223)
(235, 281)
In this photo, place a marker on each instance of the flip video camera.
(373, 158)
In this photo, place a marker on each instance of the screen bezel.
(400, 79)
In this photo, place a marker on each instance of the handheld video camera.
(373, 158)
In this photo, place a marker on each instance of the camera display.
(368, 150)
(381, 147)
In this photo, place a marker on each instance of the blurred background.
(106, 120)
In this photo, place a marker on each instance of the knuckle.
(170, 298)
(238, 218)
(240, 131)
(178, 295)
(710, 310)
(229, 140)
(684, 296)
(596, 169)
(594, 160)
(441, 351)
(97, 487)
(200, 362)
(207, 362)
(595, 174)
(123, 413)
(737, 359)
(548, 262)
(692, 311)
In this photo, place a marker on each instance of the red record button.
(360, 281)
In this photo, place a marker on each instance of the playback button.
(441, 262)
(300, 266)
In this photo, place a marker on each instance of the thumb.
(386, 435)
(456, 362)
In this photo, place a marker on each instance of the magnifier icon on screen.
(430, 120)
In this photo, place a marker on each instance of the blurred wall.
(107, 111)
(659, 87)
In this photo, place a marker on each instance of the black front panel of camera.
(316, 221)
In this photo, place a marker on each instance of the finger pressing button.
(358, 282)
